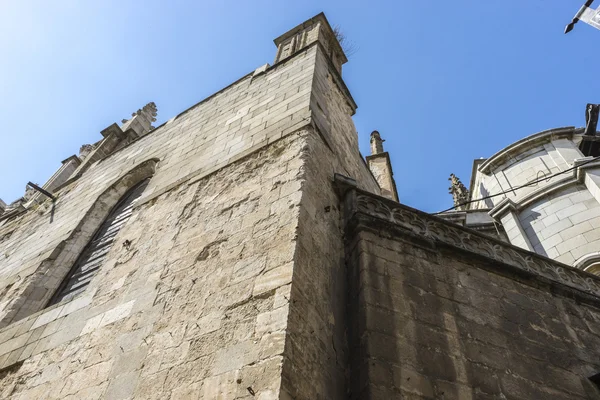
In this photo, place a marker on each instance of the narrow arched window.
(94, 254)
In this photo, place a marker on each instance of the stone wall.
(564, 225)
(437, 311)
(196, 306)
(239, 120)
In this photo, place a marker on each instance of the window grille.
(92, 257)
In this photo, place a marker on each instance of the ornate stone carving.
(436, 229)
(84, 150)
(144, 117)
(459, 192)
(149, 111)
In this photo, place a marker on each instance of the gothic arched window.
(93, 255)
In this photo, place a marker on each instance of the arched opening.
(44, 286)
(589, 263)
(593, 268)
(94, 254)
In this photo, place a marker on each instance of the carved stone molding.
(438, 230)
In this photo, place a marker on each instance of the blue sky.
(444, 83)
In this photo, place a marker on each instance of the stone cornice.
(525, 144)
(360, 203)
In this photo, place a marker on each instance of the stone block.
(575, 230)
(235, 357)
(122, 387)
(570, 244)
(555, 228)
(92, 324)
(273, 279)
(585, 215)
(47, 317)
(271, 321)
(13, 344)
(117, 313)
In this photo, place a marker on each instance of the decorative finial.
(459, 192)
(376, 143)
(149, 110)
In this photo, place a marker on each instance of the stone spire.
(381, 168)
(459, 192)
(376, 143)
(141, 120)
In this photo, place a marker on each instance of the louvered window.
(92, 257)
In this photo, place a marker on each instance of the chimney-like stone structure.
(381, 167)
(376, 143)
(316, 29)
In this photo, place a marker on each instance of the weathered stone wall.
(315, 355)
(434, 313)
(226, 282)
(196, 306)
(253, 112)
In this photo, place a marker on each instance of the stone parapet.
(436, 230)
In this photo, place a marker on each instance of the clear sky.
(444, 82)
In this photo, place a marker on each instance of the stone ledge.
(358, 203)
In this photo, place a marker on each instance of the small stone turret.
(460, 194)
(381, 168)
(316, 29)
(376, 143)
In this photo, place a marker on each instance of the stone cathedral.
(245, 249)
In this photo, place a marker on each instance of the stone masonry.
(268, 259)
(196, 298)
(437, 311)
